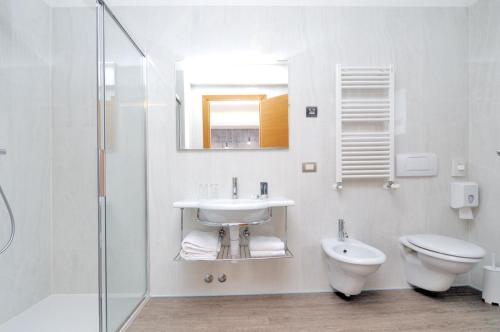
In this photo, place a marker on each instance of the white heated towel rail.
(365, 124)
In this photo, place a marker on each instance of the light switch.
(309, 167)
(458, 168)
(312, 111)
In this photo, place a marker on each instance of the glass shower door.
(122, 174)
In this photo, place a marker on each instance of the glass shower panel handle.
(102, 173)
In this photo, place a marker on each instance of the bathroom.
(97, 166)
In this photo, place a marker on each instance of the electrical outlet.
(309, 167)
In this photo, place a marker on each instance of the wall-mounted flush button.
(311, 111)
(309, 167)
(208, 278)
(222, 278)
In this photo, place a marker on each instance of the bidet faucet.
(235, 188)
(342, 233)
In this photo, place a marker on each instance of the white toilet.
(350, 262)
(432, 262)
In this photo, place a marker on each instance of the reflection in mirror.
(232, 105)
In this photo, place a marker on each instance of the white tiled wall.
(25, 171)
(484, 85)
(429, 48)
(74, 130)
(48, 125)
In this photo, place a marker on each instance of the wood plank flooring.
(460, 309)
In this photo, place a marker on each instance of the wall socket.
(309, 167)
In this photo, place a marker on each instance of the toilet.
(432, 262)
(350, 263)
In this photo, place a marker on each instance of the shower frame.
(101, 10)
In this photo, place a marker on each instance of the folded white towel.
(265, 243)
(199, 242)
(198, 257)
(270, 253)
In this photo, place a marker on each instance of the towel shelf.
(225, 253)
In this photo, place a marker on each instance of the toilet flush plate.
(416, 164)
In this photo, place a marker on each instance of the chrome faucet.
(235, 188)
(342, 233)
(263, 190)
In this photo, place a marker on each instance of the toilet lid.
(447, 245)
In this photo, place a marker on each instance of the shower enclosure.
(122, 171)
(73, 123)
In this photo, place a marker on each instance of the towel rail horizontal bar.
(365, 82)
(367, 120)
(366, 162)
(365, 71)
(367, 167)
(367, 133)
(366, 100)
(365, 139)
(358, 158)
(365, 87)
(381, 147)
(346, 144)
(365, 111)
(379, 117)
(366, 172)
(347, 68)
(366, 153)
(373, 176)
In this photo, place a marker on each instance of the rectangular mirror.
(232, 105)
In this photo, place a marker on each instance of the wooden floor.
(459, 309)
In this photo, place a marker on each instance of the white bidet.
(350, 262)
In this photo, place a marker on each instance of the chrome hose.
(12, 223)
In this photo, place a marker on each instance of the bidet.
(350, 263)
(11, 215)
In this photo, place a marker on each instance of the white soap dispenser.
(464, 196)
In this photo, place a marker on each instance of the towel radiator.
(365, 124)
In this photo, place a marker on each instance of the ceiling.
(308, 3)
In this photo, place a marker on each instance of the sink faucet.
(235, 188)
(342, 233)
(263, 190)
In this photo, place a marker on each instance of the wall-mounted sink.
(233, 204)
(234, 211)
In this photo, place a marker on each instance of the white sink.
(233, 204)
(234, 211)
